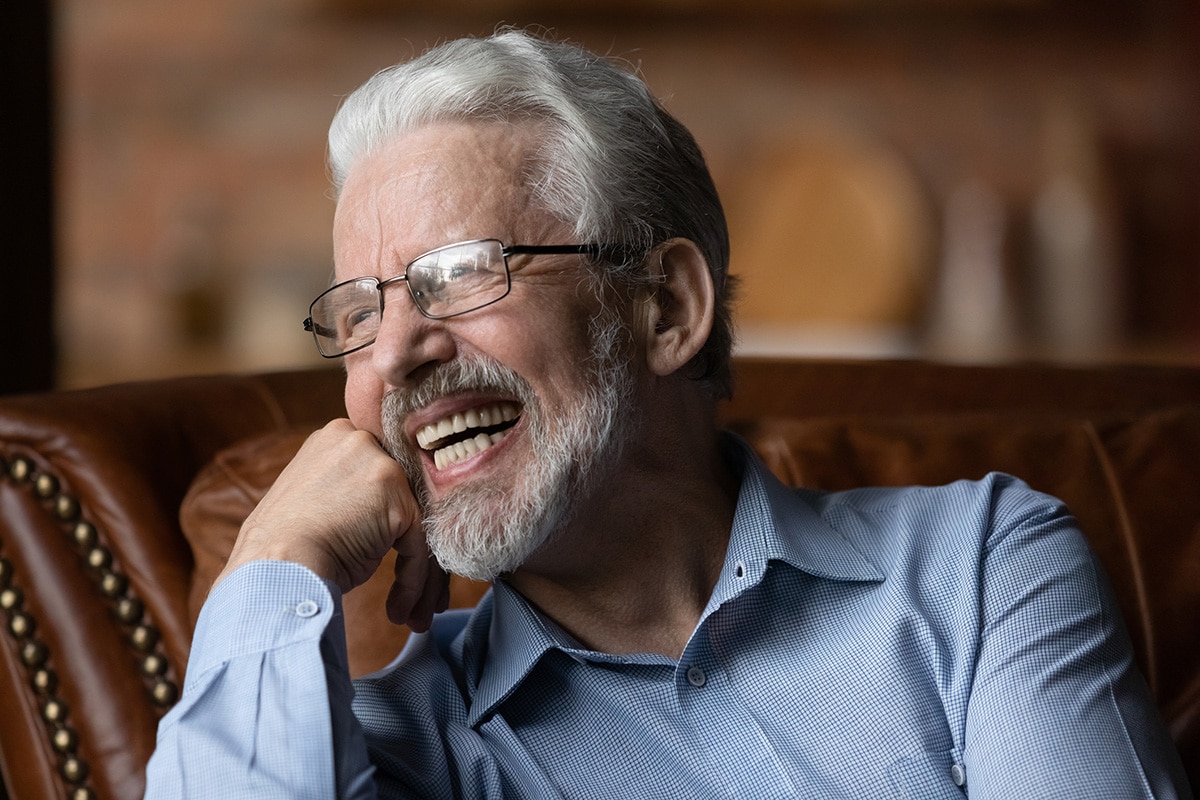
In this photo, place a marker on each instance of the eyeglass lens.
(443, 283)
(458, 278)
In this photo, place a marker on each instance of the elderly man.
(532, 305)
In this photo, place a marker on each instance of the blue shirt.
(879, 643)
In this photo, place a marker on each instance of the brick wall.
(934, 180)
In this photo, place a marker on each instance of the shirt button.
(696, 676)
(307, 608)
(958, 774)
(739, 569)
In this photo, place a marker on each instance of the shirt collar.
(772, 522)
(777, 522)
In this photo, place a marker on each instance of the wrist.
(249, 549)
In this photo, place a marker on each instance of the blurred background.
(980, 180)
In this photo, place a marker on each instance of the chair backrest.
(96, 574)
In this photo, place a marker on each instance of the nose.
(408, 344)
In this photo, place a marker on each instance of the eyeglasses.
(445, 282)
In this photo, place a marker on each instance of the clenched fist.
(337, 508)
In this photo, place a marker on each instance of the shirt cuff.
(263, 605)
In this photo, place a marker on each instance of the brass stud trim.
(64, 739)
(44, 681)
(113, 584)
(74, 769)
(165, 693)
(99, 557)
(45, 486)
(84, 534)
(55, 711)
(66, 507)
(11, 599)
(34, 653)
(130, 610)
(154, 664)
(144, 637)
(22, 625)
(20, 468)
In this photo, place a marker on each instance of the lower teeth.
(460, 451)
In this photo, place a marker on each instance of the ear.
(679, 313)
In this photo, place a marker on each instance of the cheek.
(364, 394)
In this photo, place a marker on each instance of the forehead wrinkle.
(444, 184)
(364, 247)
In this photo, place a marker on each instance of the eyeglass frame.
(592, 249)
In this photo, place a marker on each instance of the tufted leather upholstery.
(99, 584)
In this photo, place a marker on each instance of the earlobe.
(681, 308)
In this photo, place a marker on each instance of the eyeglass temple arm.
(559, 249)
(320, 330)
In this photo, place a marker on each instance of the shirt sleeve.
(265, 710)
(1057, 707)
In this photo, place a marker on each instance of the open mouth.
(459, 436)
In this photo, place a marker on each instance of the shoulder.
(984, 511)
(965, 493)
(944, 540)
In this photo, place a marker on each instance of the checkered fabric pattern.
(880, 643)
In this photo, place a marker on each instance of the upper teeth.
(431, 436)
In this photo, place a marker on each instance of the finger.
(444, 598)
(436, 583)
(409, 577)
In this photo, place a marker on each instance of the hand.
(337, 508)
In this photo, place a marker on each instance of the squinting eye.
(361, 316)
(354, 321)
(426, 285)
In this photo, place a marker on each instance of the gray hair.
(612, 161)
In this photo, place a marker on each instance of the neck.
(635, 568)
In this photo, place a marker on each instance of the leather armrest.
(96, 569)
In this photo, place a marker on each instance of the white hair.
(611, 161)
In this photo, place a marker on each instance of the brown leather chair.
(101, 574)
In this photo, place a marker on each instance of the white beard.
(485, 529)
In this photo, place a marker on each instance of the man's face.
(540, 380)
